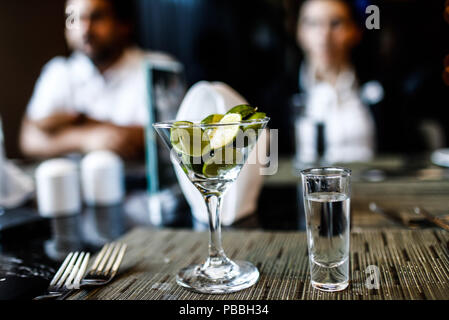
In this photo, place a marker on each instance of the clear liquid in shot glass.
(327, 216)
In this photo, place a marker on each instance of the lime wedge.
(190, 163)
(255, 116)
(213, 118)
(225, 134)
(189, 140)
(258, 115)
(224, 159)
(244, 110)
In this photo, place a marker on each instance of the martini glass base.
(244, 275)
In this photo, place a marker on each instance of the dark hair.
(124, 10)
(356, 8)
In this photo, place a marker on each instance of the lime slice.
(244, 110)
(194, 164)
(225, 134)
(224, 159)
(213, 118)
(248, 136)
(189, 140)
(258, 115)
(255, 116)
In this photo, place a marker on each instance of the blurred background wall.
(31, 33)
(251, 46)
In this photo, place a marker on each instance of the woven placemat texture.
(412, 265)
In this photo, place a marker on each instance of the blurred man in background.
(327, 32)
(96, 98)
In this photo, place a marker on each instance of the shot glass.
(326, 195)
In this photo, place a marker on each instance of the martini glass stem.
(217, 257)
(213, 203)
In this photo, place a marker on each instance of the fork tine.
(81, 271)
(74, 272)
(67, 270)
(119, 259)
(99, 257)
(61, 269)
(105, 258)
(112, 258)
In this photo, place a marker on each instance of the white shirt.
(74, 85)
(349, 127)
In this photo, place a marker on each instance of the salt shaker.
(102, 178)
(57, 188)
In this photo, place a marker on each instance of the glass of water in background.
(327, 193)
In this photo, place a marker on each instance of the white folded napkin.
(205, 98)
(15, 186)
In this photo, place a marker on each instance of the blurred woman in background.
(327, 32)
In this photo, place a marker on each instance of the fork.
(439, 221)
(396, 217)
(69, 276)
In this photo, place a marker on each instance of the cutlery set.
(423, 218)
(72, 274)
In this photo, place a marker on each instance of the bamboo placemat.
(412, 265)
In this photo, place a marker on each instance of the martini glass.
(212, 155)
